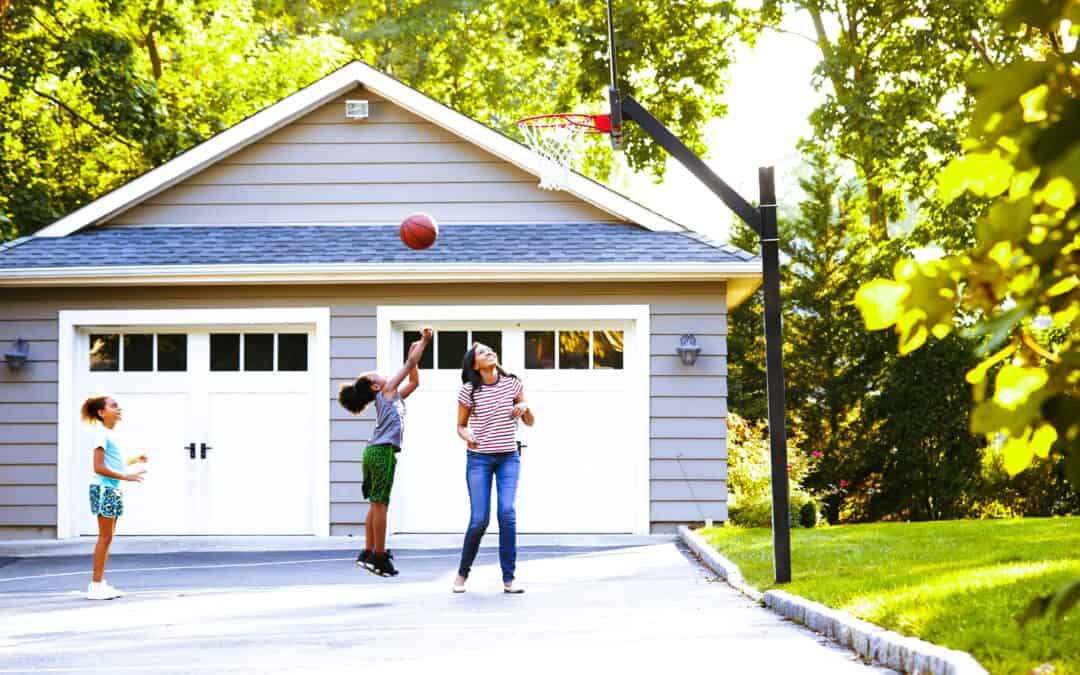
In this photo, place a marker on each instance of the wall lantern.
(20, 350)
(688, 349)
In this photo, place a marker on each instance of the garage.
(226, 412)
(585, 462)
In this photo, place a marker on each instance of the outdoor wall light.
(20, 350)
(688, 349)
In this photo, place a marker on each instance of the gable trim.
(320, 92)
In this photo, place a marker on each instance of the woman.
(490, 403)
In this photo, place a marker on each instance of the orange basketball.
(419, 231)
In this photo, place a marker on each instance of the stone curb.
(724, 568)
(888, 648)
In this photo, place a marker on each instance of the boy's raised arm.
(416, 350)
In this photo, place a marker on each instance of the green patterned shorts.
(379, 465)
(106, 501)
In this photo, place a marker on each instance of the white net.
(556, 143)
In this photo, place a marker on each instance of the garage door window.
(574, 349)
(448, 346)
(138, 352)
(258, 352)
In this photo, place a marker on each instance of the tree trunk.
(155, 58)
(151, 43)
(879, 226)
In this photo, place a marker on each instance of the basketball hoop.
(555, 138)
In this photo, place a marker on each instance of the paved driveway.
(627, 608)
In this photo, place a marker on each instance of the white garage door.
(581, 467)
(225, 415)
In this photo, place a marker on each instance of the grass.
(953, 583)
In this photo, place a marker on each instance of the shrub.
(758, 512)
(749, 476)
(808, 514)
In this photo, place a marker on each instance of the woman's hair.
(356, 396)
(469, 373)
(91, 407)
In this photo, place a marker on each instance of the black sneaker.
(382, 565)
(365, 558)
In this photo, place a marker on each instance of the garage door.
(225, 415)
(580, 464)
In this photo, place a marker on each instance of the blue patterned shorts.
(106, 501)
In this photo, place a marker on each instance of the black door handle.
(203, 447)
(191, 449)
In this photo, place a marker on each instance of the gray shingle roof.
(292, 244)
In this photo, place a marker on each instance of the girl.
(106, 500)
(490, 402)
(379, 460)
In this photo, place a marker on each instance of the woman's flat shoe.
(513, 590)
(458, 589)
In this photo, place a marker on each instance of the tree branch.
(70, 111)
(979, 47)
(777, 29)
(1035, 347)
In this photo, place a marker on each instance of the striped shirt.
(489, 419)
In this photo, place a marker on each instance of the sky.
(769, 98)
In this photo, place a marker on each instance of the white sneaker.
(102, 591)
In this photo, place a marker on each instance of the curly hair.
(357, 396)
(91, 407)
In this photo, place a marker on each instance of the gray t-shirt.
(389, 421)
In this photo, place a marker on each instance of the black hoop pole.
(677, 149)
(774, 374)
(614, 98)
(763, 221)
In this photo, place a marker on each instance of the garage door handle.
(203, 447)
(191, 449)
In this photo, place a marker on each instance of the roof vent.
(356, 110)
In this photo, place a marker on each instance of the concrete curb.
(888, 648)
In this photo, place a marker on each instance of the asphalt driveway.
(629, 608)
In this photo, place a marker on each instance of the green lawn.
(955, 583)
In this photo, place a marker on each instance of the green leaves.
(983, 174)
(1018, 283)
(881, 302)
(1015, 383)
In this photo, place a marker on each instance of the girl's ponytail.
(356, 396)
(91, 407)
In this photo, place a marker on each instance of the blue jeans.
(479, 469)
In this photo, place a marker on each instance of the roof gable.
(325, 169)
(303, 102)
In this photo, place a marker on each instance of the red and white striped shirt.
(489, 419)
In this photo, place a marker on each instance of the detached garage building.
(224, 297)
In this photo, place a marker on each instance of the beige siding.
(323, 168)
(687, 406)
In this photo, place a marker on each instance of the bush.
(808, 515)
(758, 512)
(749, 481)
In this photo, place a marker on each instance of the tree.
(501, 60)
(1018, 287)
(864, 445)
(896, 97)
(94, 93)
(919, 460)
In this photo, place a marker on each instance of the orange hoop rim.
(582, 122)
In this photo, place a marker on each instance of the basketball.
(419, 231)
